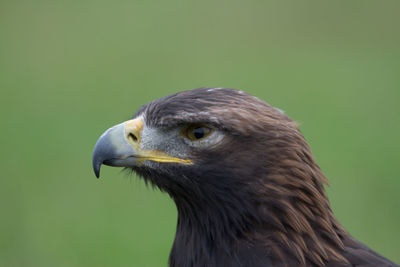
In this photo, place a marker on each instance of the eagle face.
(193, 137)
(171, 152)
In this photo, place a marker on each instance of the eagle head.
(201, 139)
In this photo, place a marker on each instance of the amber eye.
(197, 131)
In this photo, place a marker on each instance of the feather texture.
(257, 199)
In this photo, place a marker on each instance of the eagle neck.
(297, 217)
(209, 228)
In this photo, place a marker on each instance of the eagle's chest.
(206, 253)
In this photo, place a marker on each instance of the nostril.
(132, 137)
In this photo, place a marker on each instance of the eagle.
(245, 183)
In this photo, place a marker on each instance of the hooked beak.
(120, 146)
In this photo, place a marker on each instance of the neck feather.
(286, 210)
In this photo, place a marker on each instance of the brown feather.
(279, 200)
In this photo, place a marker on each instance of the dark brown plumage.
(256, 198)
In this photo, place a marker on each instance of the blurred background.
(71, 69)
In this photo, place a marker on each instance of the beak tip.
(96, 167)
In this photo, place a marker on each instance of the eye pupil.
(199, 132)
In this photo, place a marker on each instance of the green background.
(71, 69)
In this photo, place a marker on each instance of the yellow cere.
(134, 127)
